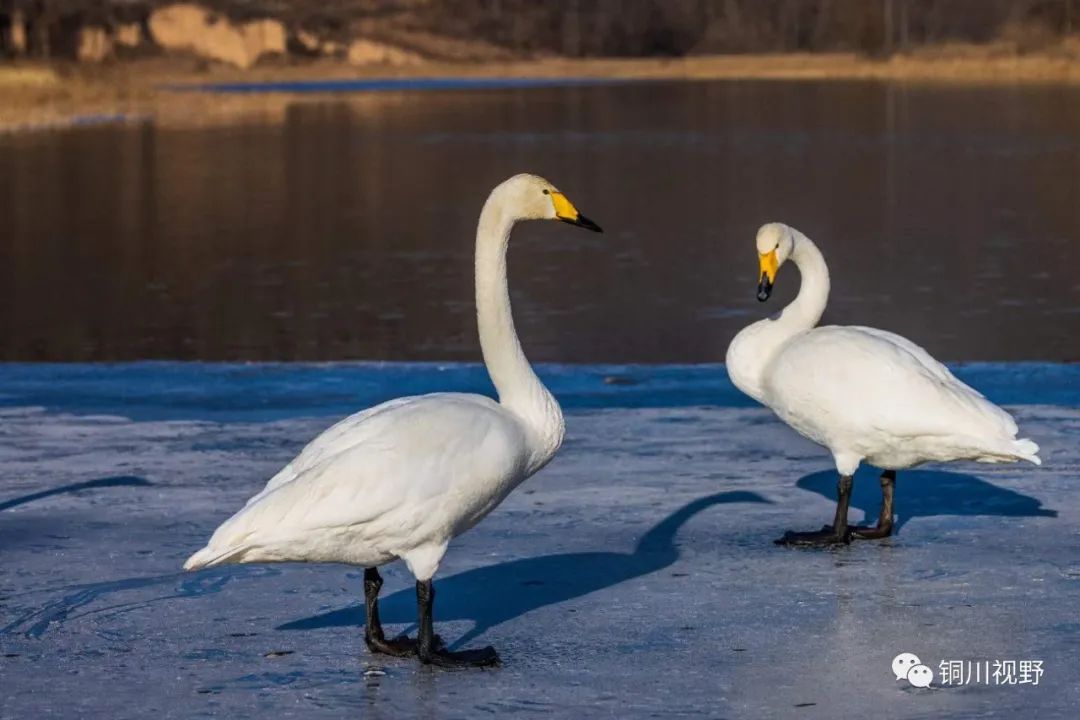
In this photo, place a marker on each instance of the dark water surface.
(344, 228)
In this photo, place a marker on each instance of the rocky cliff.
(240, 34)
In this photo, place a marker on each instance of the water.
(343, 228)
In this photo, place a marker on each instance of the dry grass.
(27, 77)
(38, 95)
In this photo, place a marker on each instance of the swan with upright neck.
(867, 395)
(400, 480)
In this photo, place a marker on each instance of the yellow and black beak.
(565, 211)
(768, 263)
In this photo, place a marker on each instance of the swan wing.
(417, 472)
(340, 436)
(962, 392)
(920, 355)
(864, 388)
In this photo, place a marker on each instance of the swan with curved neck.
(867, 395)
(400, 480)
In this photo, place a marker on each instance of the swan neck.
(752, 349)
(518, 387)
(806, 309)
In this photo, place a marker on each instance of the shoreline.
(172, 90)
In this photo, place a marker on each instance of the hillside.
(246, 32)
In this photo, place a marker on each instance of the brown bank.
(111, 61)
(34, 95)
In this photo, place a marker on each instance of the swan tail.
(1027, 450)
(210, 557)
(1010, 451)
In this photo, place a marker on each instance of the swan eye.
(545, 191)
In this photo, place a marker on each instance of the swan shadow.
(33, 623)
(926, 493)
(495, 594)
(105, 482)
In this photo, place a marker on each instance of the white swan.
(865, 394)
(402, 479)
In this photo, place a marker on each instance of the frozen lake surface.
(635, 575)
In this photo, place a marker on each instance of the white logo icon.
(908, 666)
(903, 663)
(920, 676)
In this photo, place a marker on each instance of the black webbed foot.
(836, 534)
(828, 535)
(483, 657)
(868, 532)
(432, 652)
(401, 646)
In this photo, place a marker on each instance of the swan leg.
(430, 651)
(884, 525)
(835, 534)
(373, 631)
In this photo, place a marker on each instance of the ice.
(635, 576)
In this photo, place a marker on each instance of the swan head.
(775, 243)
(531, 197)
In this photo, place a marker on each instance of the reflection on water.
(345, 229)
